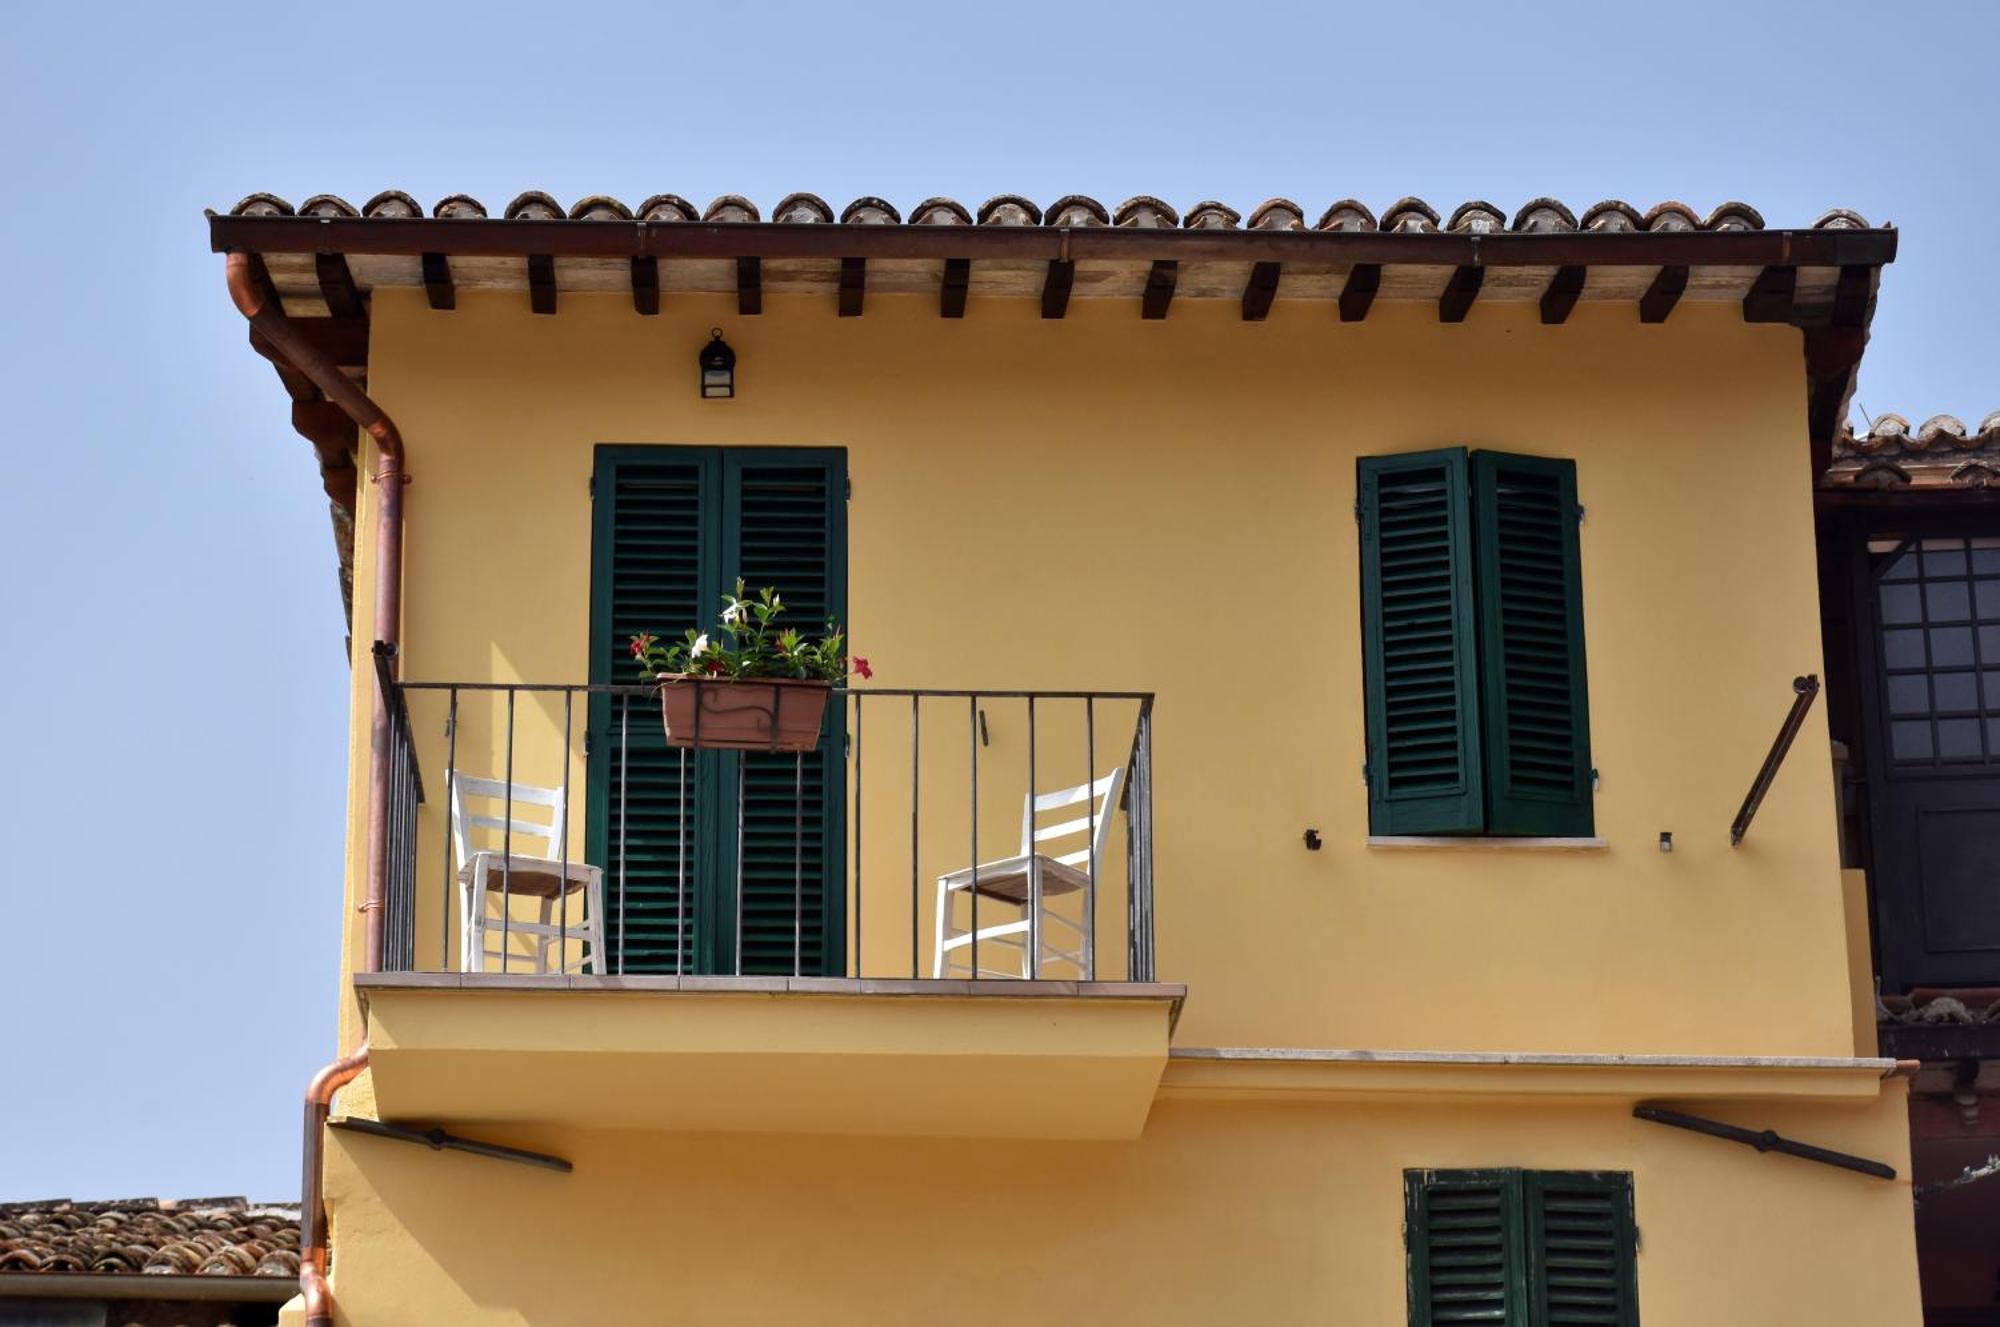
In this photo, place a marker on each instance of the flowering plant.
(748, 645)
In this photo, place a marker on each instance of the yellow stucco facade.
(1105, 503)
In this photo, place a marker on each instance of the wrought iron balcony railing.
(554, 828)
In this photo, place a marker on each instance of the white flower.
(730, 615)
(700, 646)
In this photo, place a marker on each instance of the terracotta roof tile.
(192, 1237)
(1940, 453)
(1538, 214)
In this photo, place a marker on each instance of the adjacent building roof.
(1941, 454)
(150, 1237)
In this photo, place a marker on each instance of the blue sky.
(172, 691)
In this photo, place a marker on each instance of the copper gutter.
(312, 1207)
(255, 302)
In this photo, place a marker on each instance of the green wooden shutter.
(1463, 1231)
(655, 559)
(1534, 695)
(1419, 654)
(1583, 1246)
(785, 525)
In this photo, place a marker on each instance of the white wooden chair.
(1015, 883)
(493, 871)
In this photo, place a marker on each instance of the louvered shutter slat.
(1534, 695)
(787, 529)
(653, 559)
(1463, 1230)
(1419, 653)
(1582, 1243)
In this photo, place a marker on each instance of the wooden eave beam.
(438, 288)
(1260, 290)
(952, 291)
(1088, 244)
(1853, 295)
(1669, 283)
(542, 282)
(853, 286)
(1056, 287)
(749, 285)
(344, 340)
(1459, 293)
(1565, 288)
(1358, 292)
(336, 286)
(1159, 294)
(1771, 295)
(646, 286)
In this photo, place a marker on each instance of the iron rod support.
(437, 1140)
(1765, 1140)
(1803, 689)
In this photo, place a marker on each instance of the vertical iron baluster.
(1152, 960)
(1090, 782)
(562, 883)
(798, 863)
(972, 742)
(857, 837)
(916, 754)
(451, 815)
(507, 845)
(1034, 861)
(742, 783)
(624, 796)
(680, 895)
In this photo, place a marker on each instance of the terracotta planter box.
(761, 714)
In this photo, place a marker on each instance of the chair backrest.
(1088, 828)
(530, 838)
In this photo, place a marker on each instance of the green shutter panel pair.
(1517, 1248)
(1472, 630)
(673, 528)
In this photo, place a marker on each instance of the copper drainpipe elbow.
(312, 1206)
(255, 302)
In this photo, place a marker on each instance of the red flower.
(861, 667)
(642, 643)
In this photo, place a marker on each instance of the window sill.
(1498, 844)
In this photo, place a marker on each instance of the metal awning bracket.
(438, 1140)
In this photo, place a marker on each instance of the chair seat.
(1007, 879)
(528, 877)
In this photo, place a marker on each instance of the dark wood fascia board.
(1908, 502)
(1936, 1043)
(691, 239)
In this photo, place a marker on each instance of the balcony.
(884, 935)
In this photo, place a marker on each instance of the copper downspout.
(312, 1207)
(254, 301)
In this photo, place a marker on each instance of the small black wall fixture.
(1803, 691)
(718, 368)
(1766, 1140)
(437, 1140)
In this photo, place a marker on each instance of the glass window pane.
(1993, 691)
(1989, 643)
(1902, 566)
(1989, 600)
(1911, 740)
(1951, 647)
(1944, 557)
(1947, 601)
(1955, 691)
(1986, 555)
(1909, 694)
(1900, 603)
(1905, 649)
(1958, 739)
(1993, 736)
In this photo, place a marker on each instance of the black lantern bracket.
(718, 368)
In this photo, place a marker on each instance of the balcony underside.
(964, 1059)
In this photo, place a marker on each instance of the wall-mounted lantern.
(718, 367)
